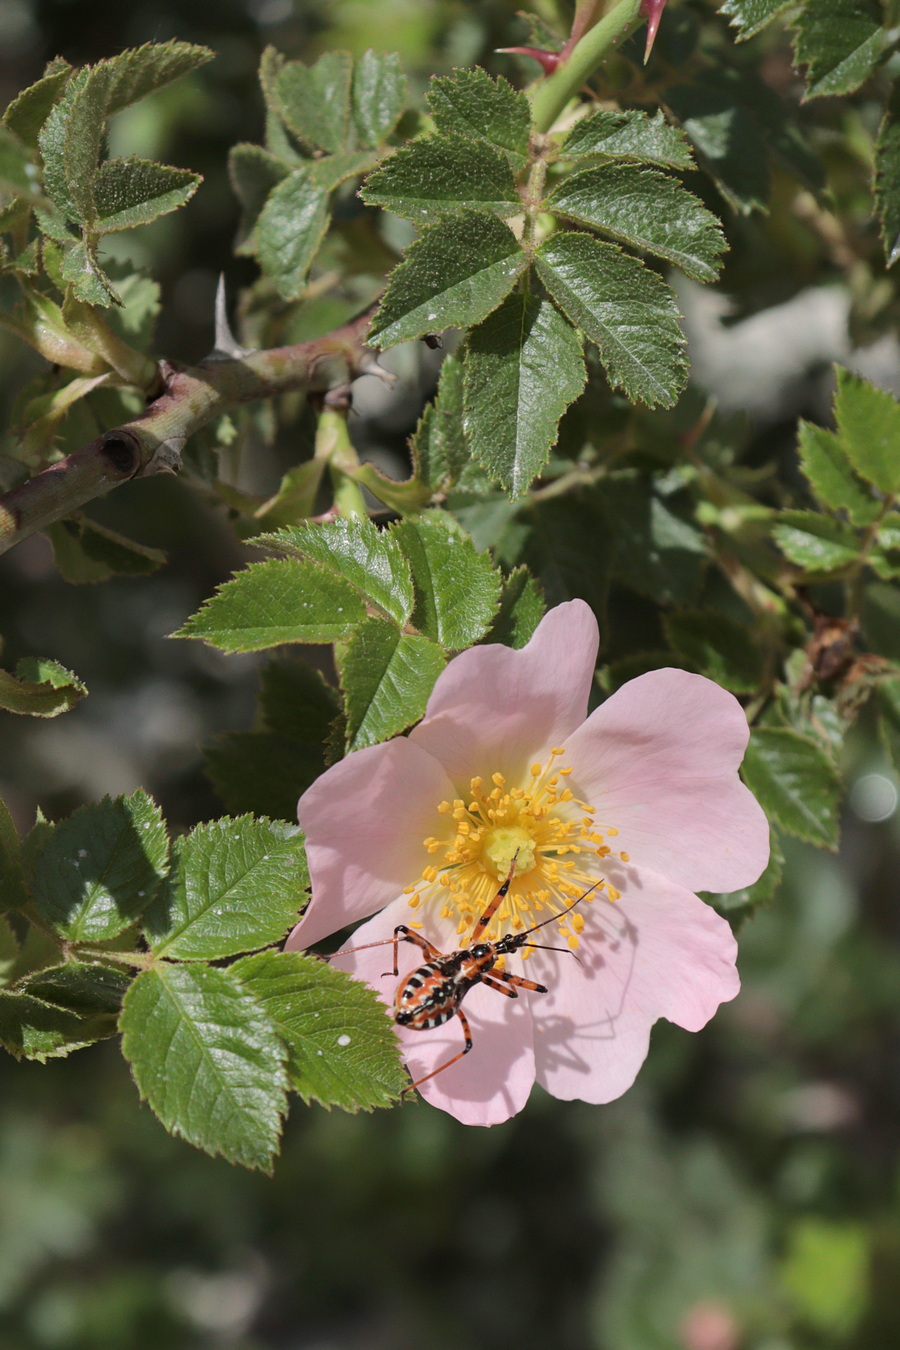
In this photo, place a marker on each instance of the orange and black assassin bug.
(432, 993)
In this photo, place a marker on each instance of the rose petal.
(494, 1079)
(659, 951)
(364, 821)
(496, 708)
(659, 761)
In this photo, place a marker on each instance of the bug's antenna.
(540, 946)
(554, 918)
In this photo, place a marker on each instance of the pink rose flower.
(643, 795)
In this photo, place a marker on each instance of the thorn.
(547, 60)
(652, 10)
(368, 364)
(226, 346)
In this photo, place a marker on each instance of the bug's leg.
(516, 980)
(492, 908)
(496, 981)
(440, 1069)
(407, 936)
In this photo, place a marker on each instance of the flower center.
(539, 823)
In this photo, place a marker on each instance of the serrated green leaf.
(659, 552)
(727, 137)
(99, 869)
(718, 647)
(40, 688)
(742, 903)
(824, 461)
(457, 590)
(282, 600)
(750, 17)
(869, 424)
(29, 110)
(341, 1043)
(629, 135)
(888, 700)
(330, 172)
(474, 104)
(523, 367)
(443, 173)
(142, 70)
(378, 97)
(88, 279)
(130, 192)
(71, 139)
(569, 549)
(295, 701)
(627, 310)
(89, 991)
(387, 677)
(842, 44)
(235, 885)
(261, 772)
(819, 544)
(289, 230)
(12, 880)
(452, 276)
(369, 559)
(32, 1029)
(795, 782)
(887, 177)
(439, 447)
(253, 172)
(521, 610)
(208, 1060)
(86, 552)
(314, 101)
(647, 209)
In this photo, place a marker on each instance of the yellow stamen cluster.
(550, 833)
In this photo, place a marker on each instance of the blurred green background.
(745, 1195)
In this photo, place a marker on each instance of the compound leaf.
(443, 173)
(387, 677)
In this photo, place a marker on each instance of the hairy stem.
(552, 95)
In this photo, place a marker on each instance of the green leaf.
(99, 869)
(130, 192)
(330, 172)
(521, 610)
(341, 1043)
(457, 590)
(142, 70)
(71, 139)
(261, 772)
(439, 447)
(626, 309)
(648, 210)
(887, 177)
(824, 461)
(207, 1058)
(819, 544)
(743, 902)
(379, 96)
(881, 620)
(32, 1029)
(254, 172)
(659, 552)
(282, 600)
(9, 947)
(89, 991)
(235, 885)
(728, 138)
(315, 100)
(40, 688)
(88, 279)
(474, 104)
(452, 276)
(842, 43)
(296, 702)
(869, 423)
(12, 880)
(888, 700)
(18, 175)
(523, 367)
(29, 110)
(629, 135)
(387, 677)
(718, 647)
(750, 17)
(85, 552)
(369, 559)
(289, 230)
(443, 173)
(795, 782)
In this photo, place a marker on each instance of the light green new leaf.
(208, 1060)
(378, 97)
(40, 688)
(842, 43)
(869, 423)
(819, 544)
(795, 782)
(750, 17)
(314, 100)
(100, 868)
(282, 600)
(523, 367)
(648, 210)
(290, 229)
(70, 142)
(387, 677)
(439, 447)
(330, 172)
(824, 461)
(627, 310)
(130, 192)
(368, 558)
(452, 276)
(629, 135)
(457, 590)
(29, 110)
(474, 104)
(341, 1043)
(235, 885)
(718, 647)
(443, 173)
(254, 172)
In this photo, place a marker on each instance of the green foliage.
(315, 100)
(750, 17)
(824, 460)
(85, 551)
(841, 43)
(718, 647)
(439, 448)
(386, 677)
(796, 783)
(628, 135)
(378, 96)
(12, 880)
(290, 229)
(869, 423)
(887, 178)
(40, 688)
(457, 592)
(470, 103)
(443, 173)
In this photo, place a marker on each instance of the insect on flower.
(432, 993)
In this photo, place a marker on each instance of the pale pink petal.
(364, 821)
(494, 708)
(659, 951)
(494, 1079)
(659, 761)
